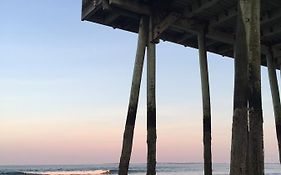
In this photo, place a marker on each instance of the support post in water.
(151, 104)
(256, 145)
(134, 97)
(207, 138)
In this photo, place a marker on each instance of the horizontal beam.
(133, 6)
(226, 15)
(271, 31)
(199, 6)
(185, 37)
(159, 28)
(223, 17)
(270, 17)
(111, 19)
(184, 23)
(211, 43)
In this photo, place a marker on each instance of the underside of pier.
(179, 21)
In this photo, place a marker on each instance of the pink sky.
(74, 141)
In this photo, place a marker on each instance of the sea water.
(135, 169)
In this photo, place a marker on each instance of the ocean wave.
(12, 173)
(94, 172)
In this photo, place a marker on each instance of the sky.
(65, 87)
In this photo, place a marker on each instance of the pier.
(249, 31)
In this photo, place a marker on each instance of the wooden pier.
(247, 30)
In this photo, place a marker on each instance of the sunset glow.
(65, 86)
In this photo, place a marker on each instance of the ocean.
(135, 169)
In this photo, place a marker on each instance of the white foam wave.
(95, 172)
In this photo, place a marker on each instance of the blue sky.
(65, 86)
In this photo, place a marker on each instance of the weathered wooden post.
(239, 144)
(248, 35)
(206, 103)
(134, 97)
(252, 24)
(151, 104)
(275, 96)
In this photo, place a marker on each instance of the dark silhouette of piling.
(206, 103)
(134, 97)
(151, 104)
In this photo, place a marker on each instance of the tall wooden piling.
(275, 96)
(134, 97)
(206, 103)
(256, 148)
(239, 144)
(151, 104)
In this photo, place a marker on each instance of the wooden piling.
(275, 96)
(151, 104)
(206, 103)
(239, 144)
(256, 148)
(134, 97)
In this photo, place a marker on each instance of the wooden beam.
(111, 18)
(192, 26)
(271, 67)
(228, 14)
(184, 23)
(151, 104)
(134, 97)
(226, 51)
(251, 10)
(276, 3)
(224, 16)
(133, 6)
(271, 31)
(117, 12)
(199, 6)
(211, 43)
(185, 37)
(159, 28)
(239, 143)
(206, 103)
(270, 17)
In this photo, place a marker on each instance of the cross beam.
(170, 19)
(131, 6)
(226, 15)
(183, 23)
(200, 6)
